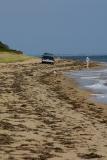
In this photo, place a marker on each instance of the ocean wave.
(97, 86)
(93, 77)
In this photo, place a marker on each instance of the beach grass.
(11, 57)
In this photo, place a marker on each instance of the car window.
(48, 57)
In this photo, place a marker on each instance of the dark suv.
(48, 59)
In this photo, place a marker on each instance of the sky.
(62, 27)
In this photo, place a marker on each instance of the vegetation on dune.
(10, 58)
(5, 48)
(8, 55)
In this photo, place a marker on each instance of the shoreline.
(88, 93)
(45, 115)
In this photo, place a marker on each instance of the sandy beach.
(45, 116)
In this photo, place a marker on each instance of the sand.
(45, 116)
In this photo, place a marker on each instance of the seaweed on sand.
(90, 155)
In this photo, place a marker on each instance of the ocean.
(102, 58)
(94, 80)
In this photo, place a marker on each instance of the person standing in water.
(87, 61)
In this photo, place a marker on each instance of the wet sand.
(45, 116)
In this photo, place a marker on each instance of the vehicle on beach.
(48, 58)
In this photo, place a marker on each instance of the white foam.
(102, 81)
(99, 95)
(89, 77)
(96, 86)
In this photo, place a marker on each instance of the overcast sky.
(67, 27)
